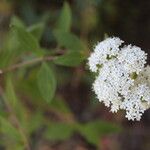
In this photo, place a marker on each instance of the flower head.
(121, 82)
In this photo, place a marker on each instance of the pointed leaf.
(27, 42)
(9, 130)
(64, 22)
(69, 41)
(46, 82)
(36, 30)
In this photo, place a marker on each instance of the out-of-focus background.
(68, 116)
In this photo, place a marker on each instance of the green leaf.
(37, 30)
(9, 130)
(10, 93)
(94, 130)
(35, 121)
(9, 50)
(59, 131)
(69, 40)
(70, 59)
(64, 21)
(19, 146)
(11, 98)
(10, 136)
(46, 82)
(15, 21)
(27, 42)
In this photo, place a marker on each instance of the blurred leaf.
(35, 122)
(10, 93)
(29, 86)
(9, 50)
(15, 21)
(27, 42)
(11, 46)
(11, 99)
(87, 25)
(69, 40)
(60, 105)
(11, 137)
(37, 30)
(64, 21)
(70, 59)
(59, 131)
(17, 147)
(46, 82)
(94, 130)
(9, 130)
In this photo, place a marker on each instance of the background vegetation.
(46, 101)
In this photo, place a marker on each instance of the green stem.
(26, 63)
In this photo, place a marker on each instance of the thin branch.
(26, 63)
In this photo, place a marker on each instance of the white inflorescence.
(122, 80)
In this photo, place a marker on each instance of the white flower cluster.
(122, 80)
